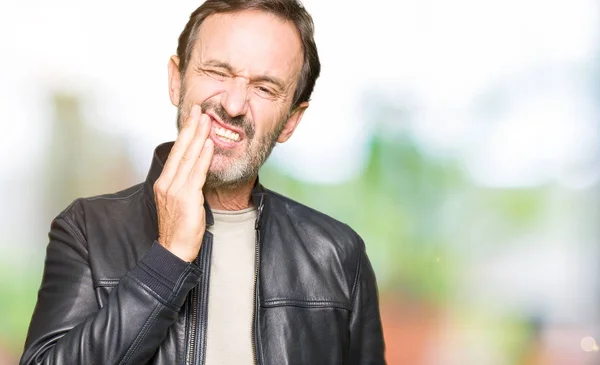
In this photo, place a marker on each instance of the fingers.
(193, 151)
(186, 135)
(198, 174)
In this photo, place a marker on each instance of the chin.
(220, 163)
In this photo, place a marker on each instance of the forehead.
(252, 42)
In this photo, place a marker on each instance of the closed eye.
(265, 91)
(216, 74)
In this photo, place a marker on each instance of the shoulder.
(304, 237)
(316, 223)
(106, 208)
(104, 201)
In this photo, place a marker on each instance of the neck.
(237, 198)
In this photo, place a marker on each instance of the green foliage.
(17, 300)
(415, 213)
(394, 205)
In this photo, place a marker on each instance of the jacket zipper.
(254, 325)
(254, 328)
(193, 326)
(203, 261)
(204, 264)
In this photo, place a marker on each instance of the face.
(243, 73)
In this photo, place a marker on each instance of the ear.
(174, 80)
(292, 122)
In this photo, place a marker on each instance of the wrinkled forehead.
(252, 42)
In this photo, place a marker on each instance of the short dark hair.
(289, 10)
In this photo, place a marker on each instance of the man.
(200, 264)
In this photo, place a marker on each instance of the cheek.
(266, 115)
(199, 89)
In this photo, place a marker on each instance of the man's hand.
(178, 190)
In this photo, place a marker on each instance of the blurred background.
(461, 139)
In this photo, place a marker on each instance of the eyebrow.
(262, 78)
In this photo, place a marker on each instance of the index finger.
(200, 170)
(183, 140)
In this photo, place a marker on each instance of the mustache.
(239, 121)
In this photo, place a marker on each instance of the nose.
(235, 97)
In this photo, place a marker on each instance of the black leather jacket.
(110, 294)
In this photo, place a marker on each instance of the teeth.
(227, 134)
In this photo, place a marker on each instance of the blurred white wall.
(443, 59)
(508, 87)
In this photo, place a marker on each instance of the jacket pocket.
(304, 332)
(103, 288)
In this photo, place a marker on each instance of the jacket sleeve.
(68, 327)
(366, 334)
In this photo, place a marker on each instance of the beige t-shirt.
(231, 292)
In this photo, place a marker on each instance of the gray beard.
(244, 169)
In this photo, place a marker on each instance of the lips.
(224, 135)
(227, 134)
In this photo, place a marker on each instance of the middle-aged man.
(200, 264)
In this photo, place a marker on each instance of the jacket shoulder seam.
(356, 277)
(70, 224)
(105, 197)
